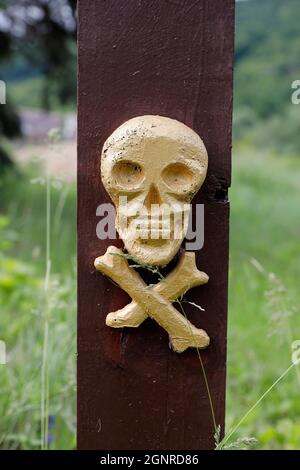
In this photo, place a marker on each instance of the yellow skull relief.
(152, 166)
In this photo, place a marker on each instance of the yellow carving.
(153, 160)
(182, 333)
(183, 277)
(157, 164)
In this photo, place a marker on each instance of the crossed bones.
(155, 301)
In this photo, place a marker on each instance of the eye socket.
(178, 177)
(128, 175)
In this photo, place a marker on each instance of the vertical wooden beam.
(173, 58)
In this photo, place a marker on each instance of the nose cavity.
(153, 197)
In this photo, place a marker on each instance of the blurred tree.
(267, 55)
(9, 122)
(44, 32)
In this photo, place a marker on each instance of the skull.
(155, 164)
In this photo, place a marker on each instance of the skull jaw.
(152, 254)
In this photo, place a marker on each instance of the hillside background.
(266, 63)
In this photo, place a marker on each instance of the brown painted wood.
(173, 58)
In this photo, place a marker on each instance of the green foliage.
(46, 44)
(25, 308)
(267, 54)
(27, 92)
(280, 133)
(267, 62)
(263, 318)
(244, 443)
(244, 121)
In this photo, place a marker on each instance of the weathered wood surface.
(172, 58)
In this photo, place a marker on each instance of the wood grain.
(175, 59)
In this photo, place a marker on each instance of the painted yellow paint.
(155, 304)
(158, 164)
(183, 277)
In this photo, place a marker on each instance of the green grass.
(26, 307)
(28, 93)
(263, 317)
(265, 229)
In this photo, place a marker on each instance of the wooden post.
(172, 58)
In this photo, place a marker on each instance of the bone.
(184, 276)
(183, 334)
